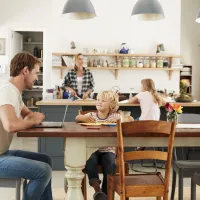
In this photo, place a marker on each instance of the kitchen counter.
(63, 102)
(54, 111)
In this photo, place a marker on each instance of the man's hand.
(36, 116)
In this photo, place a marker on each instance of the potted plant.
(184, 97)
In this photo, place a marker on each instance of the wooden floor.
(59, 195)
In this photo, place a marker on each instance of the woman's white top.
(149, 109)
(79, 84)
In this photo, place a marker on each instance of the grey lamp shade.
(148, 10)
(79, 9)
(198, 17)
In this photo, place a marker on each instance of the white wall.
(190, 41)
(112, 27)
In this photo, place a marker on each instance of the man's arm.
(12, 123)
(26, 112)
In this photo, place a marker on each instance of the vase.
(172, 116)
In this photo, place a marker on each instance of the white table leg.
(75, 159)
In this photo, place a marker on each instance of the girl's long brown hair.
(149, 85)
(76, 58)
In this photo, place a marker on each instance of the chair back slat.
(143, 155)
(141, 128)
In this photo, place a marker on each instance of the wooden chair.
(184, 168)
(142, 185)
(84, 183)
(194, 181)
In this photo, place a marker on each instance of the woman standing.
(79, 81)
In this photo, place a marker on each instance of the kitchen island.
(54, 111)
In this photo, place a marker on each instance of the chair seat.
(187, 164)
(140, 185)
(10, 182)
(141, 179)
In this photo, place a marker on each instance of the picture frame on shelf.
(2, 46)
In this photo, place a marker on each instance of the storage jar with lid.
(140, 62)
(160, 62)
(146, 62)
(132, 62)
(166, 63)
(153, 62)
(125, 62)
(119, 62)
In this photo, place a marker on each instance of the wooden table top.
(63, 102)
(72, 129)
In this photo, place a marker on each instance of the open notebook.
(98, 124)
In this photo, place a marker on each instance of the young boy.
(107, 106)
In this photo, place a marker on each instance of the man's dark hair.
(22, 60)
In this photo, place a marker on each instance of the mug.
(66, 95)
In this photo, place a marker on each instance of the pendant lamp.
(198, 17)
(148, 10)
(79, 9)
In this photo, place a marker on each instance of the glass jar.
(132, 62)
(153, 62)
(95, 63)
(146, 62)
(166, 62)
(140, 62)
(160, 62)
(125, 62)
(119, 62)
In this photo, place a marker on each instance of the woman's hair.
(148, 85)
(76, 58)
(22, 60)
(114, 99)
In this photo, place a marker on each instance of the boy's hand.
(128, 119)
(88, 118)
(114, 120)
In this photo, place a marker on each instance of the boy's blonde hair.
(149, 85)
(114, 99)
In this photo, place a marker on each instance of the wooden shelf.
(33, 43)
(119, 55)
(116, 69)
(32, 107)
(34, 90)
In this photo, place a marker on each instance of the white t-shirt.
(79, 84)
(149, 109)
(9, 95)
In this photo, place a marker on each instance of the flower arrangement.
(173, 109)
(184, 84)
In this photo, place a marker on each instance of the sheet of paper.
(188, 126)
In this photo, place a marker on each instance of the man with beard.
(15, 116)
